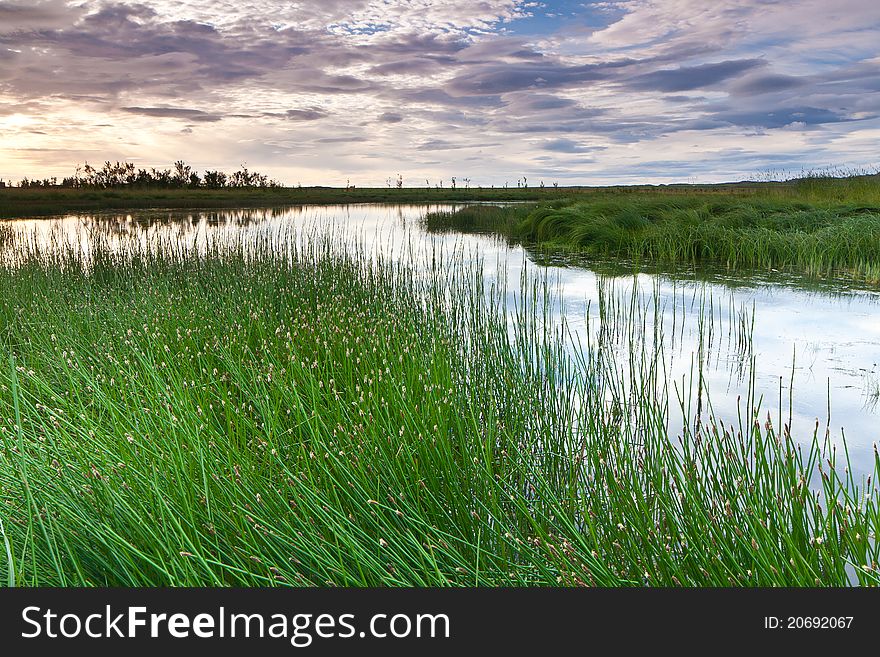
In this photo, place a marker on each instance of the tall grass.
(7, 234)
(283, 411)
(837, 185)
(478, 219)
(766, 232)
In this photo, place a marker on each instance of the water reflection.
(810, 350)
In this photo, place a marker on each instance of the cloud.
(567, 146)
(342, 140)
(39, 15)
(121, 48)
(443, 145)
(309, 114)
(764, 84)
(493, 79)
(358, 18)
(779, 117)
(415, 66)
(688, 78)
(633, 83)
(174, 113)
(541, 103)
(439, 97)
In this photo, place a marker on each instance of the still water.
(811, 352)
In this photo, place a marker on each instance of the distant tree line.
(182, 175)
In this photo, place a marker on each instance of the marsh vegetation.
(818, 227)
(273, 408)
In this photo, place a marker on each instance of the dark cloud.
(414, 66)
(438, 145)
(771, 83)
(567, 146)
(341, 140)
(308, 114)
(688, 78)
(779, 117)
(541, 102)
(443, 145)
(492, 79)
(546, 110)
(175, 113)
(433, 96)
(390, 117)
(316, 81)
(681, 99)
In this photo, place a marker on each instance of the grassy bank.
(263, 413)
(821, 229)
(41, 201)
(15, 202)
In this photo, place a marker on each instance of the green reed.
(281, 410)
(809, 232)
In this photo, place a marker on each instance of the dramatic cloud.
(359, 90)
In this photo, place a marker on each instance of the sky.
(332, 92)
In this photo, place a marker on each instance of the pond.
(808, 352)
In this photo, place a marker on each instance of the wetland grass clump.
(277, 411)
(478, 219)
(7, 234)
(814, 235)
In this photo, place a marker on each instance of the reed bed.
(479, 219)
(279, 410)
(818, 236)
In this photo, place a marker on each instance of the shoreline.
(16, 202)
